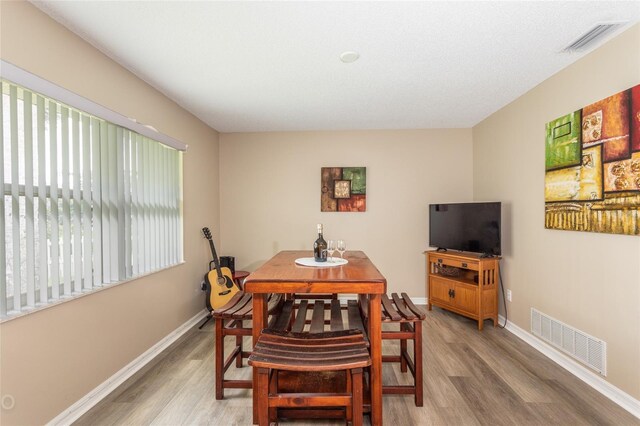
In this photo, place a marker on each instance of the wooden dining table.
(281, 274)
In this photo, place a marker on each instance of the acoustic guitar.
(218, 281)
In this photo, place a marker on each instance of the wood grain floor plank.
(526, 382)
(471, 378)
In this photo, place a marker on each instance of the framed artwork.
(592, 161)
(343, 189)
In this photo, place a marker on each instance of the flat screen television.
(473, 227)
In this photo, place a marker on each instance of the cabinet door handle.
(439, 260)
(464, 265)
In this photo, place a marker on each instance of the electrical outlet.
(508, 295)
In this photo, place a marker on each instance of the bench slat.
(336, 316)
(281, 322)
(317, 320)
(419, 312)
(245, 310)
(246, 299)
(301, 316)
(230, 304)
(402, 308)
(388, 311)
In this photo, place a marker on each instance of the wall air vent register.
(579, 345)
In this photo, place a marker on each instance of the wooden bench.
(278, 351)
(401, 310)
(295, 313)
(230, 320)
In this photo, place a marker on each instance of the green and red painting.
(343, 189)
(592, 176)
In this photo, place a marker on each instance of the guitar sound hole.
(226, 281)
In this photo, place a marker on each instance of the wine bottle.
(320, 247)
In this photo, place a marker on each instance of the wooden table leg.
(259, 322)
(375, 340)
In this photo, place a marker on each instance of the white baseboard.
(419, 300)
(615, 394)
(88, 401)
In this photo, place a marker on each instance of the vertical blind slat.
(120, 203)
(15, 201)
(172, 247)
(105, 195)
(87, 256)
(174, 207)
(96, 180)
(43, 262)
(126, 202)
(113, 205)
(156, 196)
(180, 195)
(55, 219)
(76, 229)
(152, 213)
(3, 250)
(167, 206)
(172, 212)
(134, 205)
(65, 142)
(27, 114)
(158, 185)
(177, 206)
(159, 182)
(163, 200)
(144, 234)
(147, 206)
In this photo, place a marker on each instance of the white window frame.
(140, 146)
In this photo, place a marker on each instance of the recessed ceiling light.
(349, 56)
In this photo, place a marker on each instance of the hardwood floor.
(471, 378)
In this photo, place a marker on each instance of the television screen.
(471, 227)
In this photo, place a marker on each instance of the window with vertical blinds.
(87, 203)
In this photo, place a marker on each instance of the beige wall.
(52, 358)
(590, 281)
(270, 194)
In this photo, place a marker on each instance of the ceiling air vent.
(592, 36)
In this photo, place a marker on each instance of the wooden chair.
(400, 310)
(278, 351)
(230, 320)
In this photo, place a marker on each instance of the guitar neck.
(216, 261)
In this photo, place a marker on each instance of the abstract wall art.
(343, 189)
(592, 161)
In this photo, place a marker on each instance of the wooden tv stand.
(464, 283)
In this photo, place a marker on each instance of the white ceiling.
(269, 66)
